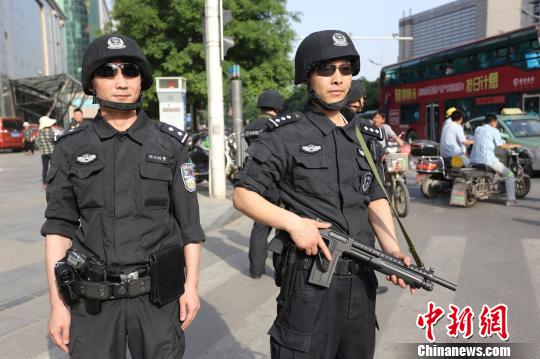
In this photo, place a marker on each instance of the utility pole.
(212, 10)
(238, 123)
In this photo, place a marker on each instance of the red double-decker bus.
(477, 78)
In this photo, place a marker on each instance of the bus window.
(391, 76)
(500, 56)
(410, 74)
(410, 113)
(486, 59)
(532, 58)
(463, 105)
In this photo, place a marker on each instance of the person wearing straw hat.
(45, 142)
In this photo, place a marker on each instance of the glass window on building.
(410, 113)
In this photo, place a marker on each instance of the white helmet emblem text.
(115, 43)
(339, 39)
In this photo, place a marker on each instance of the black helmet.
(323, 46)
(270, 99)
(112, 47)
(357, 91)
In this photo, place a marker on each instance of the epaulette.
(177, 133)
(371, 130)
(63, 134)
(275, 122)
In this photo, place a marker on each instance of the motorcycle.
(199, 153)
(435, 174)
(480, 182)
(231, 167)
(396, 161)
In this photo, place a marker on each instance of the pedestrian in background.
(29, 139)
(357, 96)
(77, 120)
(45, 142)
(270, 103)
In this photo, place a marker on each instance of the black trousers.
(258, 242)
(29, 146)
(327, 323)
(45, 159)
(147, 330)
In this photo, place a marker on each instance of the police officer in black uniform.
(270, 103)
(315, 160)
(121, 191)
(357, 96)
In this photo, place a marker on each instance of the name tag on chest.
(150, 157)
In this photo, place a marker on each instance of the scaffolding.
(47, 95)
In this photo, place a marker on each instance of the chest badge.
(188, 176)
(311, 148)
(86, 158)
(367, 178)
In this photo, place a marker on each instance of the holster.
(277, 247)
(167, 274)
(288, 271)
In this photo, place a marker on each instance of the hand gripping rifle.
(339, 244)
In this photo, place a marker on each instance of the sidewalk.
(24, 306)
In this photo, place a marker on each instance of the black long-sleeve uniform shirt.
(122, 195)
(319, 168)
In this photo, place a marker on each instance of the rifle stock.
(339, 244)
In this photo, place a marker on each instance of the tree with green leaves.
(170, 33)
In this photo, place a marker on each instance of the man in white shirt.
(453, 140)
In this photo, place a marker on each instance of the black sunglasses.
(327, 70)
(109, 70)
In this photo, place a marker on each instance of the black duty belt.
(118, 286)
(344, 266)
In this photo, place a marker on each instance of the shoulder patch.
(275, 122)
(177, 133)
(371, 130)
(66, 133)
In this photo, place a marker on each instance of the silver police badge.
(310, 148)
(188, 176)
(367, 177)
(339, 39)
(115, 43)
(86, 158)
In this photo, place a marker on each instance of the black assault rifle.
(339, 244)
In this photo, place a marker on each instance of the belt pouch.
(167, 274)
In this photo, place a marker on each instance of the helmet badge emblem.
(339, 39)
(115, 43)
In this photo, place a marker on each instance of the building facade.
(32, 43)
(85, 20)
(463, 21)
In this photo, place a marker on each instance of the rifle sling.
(373, 168)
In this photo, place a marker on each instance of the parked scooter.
(199, 153)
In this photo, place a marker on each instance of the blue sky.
(361, 18)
